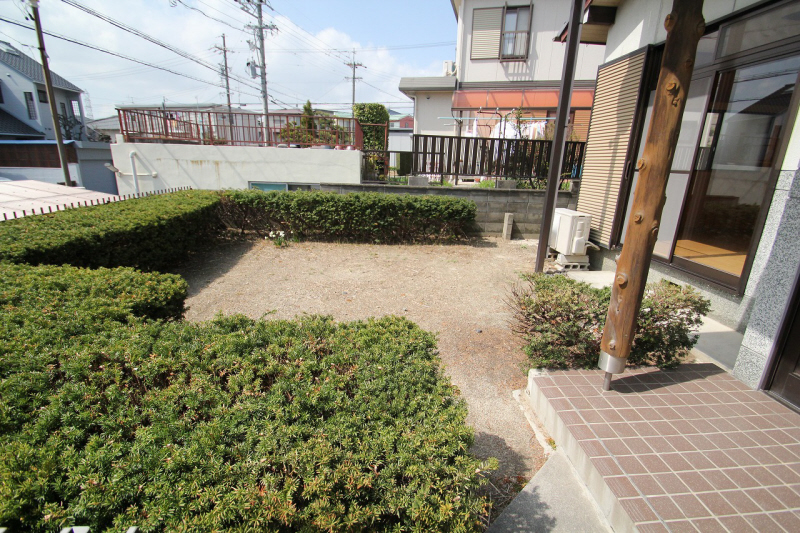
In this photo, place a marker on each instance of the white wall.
(230, 167)
(641, 22)
(49, 175)
(428, 108)
(546, 58)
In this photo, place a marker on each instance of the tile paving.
(688, 449)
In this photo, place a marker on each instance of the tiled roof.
(13, 126)
(15, 59)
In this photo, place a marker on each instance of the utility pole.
(247, 5)
(48, 83)
(260, 35)
(685, 26)
(557, 149)
(354, 66)
(225, 71)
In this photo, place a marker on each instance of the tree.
(307, 120)
(374, 136)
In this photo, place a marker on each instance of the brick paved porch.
(689, 449)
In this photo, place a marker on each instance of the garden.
(116, 411)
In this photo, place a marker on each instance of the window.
(42, 96)
(76, 109)
(486, 30)
(501, 32)
(31, 106)
(516, 27)
(739, 139)
(765, 28)
(63, 109)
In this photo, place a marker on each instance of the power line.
(187, 6)
(117, 54)
(149, 38)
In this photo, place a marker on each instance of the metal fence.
(238, 129)
(440, 155)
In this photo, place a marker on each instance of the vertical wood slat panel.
(606, 150)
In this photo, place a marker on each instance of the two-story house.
(509, 60)
(24, 108)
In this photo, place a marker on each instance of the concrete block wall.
(493, 204)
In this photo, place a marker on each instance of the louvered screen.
(486, 27)
(615, 102)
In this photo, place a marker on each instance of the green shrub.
(59, 293)
(238, 424)
(354, 217)
(148, 233)
(561, 322)
(486, 184)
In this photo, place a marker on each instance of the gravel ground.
(457, 291)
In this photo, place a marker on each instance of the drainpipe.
(133, 169)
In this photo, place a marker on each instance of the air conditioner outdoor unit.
(449, 68)
(569, 236)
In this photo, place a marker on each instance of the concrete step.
(555, 500)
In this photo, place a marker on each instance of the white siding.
(428, 108)
(641, 22)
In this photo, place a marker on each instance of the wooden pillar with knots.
(685, 26)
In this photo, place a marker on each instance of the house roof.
(31, 68)
(108, 123)
(10, 125)
(431, 83)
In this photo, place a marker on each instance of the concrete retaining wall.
(493, 204)
(230, 167)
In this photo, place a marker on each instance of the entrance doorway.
(785, 382)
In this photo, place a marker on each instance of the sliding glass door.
(733, 163)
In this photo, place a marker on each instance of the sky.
(306, 54)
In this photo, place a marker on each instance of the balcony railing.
(514, 45)
(238, 129)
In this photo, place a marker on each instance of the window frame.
(42, 96)
(527, 33)
(30, 103)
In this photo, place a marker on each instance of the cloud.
(294, 73)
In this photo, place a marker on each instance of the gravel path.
(456, 291)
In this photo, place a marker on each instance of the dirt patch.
(457, 291)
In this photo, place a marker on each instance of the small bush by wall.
(562, 320)
(269, 425)
(147, 233)
(354, 217)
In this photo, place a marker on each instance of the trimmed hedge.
(114, 412)
(562, 320)
(237, 424)
(148, 233)
(352, 217)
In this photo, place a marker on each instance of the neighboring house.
(105, 128)
(24, 108)
(731, 218)
(403, 122)
(508, 58)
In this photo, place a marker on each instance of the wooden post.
(684, 26)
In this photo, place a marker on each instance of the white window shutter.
(486, 27)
